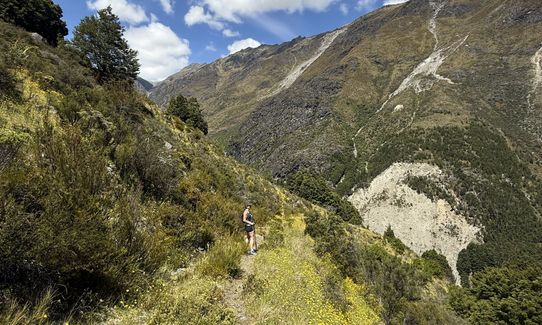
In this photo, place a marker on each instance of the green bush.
(189, 111)
(314, 188)
(435, 265)
(8, 84)
(67, 223)
(502, 295)
(223, 259)
(397, 284)
(275, 237)
(395, 242)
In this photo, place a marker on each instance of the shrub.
(66, 223)
(395, 242)
(223, 259)
(14, 313)
(8, 84)
(314, 188)
(502, 295)
(435, 265)
(189, 111)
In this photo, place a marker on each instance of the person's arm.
(245, 216)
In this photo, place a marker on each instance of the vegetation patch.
(311, 289)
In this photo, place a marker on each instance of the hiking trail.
(233, 290)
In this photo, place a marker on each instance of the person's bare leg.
(251, 241)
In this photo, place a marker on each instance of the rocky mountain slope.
(143, 85)
(455, 84)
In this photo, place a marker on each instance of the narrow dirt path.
(233, 291)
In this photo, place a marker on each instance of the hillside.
(425, 82)
(114, 212)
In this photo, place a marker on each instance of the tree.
(99, 39)
(189, 111)
(40, 16)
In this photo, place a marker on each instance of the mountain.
(113, 211)
(143, 85)
(425, 115)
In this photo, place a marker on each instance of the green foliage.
(38, 313)
(489, 182)
(395, 242)
(315, 189)
(435, 265)
(223, 258)
(398, 285)
(99, 190)
(99, 40)
(7, 80)
(197, 300)
(429, 188)
(275, 237)
(189, 111)
(502, 295)
(67, 223)
(40, 16)
(11, 143)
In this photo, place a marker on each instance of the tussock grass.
(223, 258)
(17, 314)
(189, 300)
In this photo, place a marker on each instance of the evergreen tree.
(189, 111)
(40, 16)
(100, 41)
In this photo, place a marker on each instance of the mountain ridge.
(380, 92)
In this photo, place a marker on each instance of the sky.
(170, 34)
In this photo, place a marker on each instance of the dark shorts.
(249, 228)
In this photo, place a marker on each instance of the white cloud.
(197, 15)
(274, 26)
(343, 8)
(128, 12)
(218, 13)
(230, 33)
(365, 5)
(167, 6)
(393, 2)
(210, 47)
(233, 10)
(243, 44)
(160, 51)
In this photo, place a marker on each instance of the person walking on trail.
(248, 220)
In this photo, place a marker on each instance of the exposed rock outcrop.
(422, 224)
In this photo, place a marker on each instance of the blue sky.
(170, 34)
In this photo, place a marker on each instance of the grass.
(223, 258)
(190, 299)
(291, 284)
(16, 314)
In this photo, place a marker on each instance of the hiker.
(248, 220)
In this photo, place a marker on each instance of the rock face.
(422, 224)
